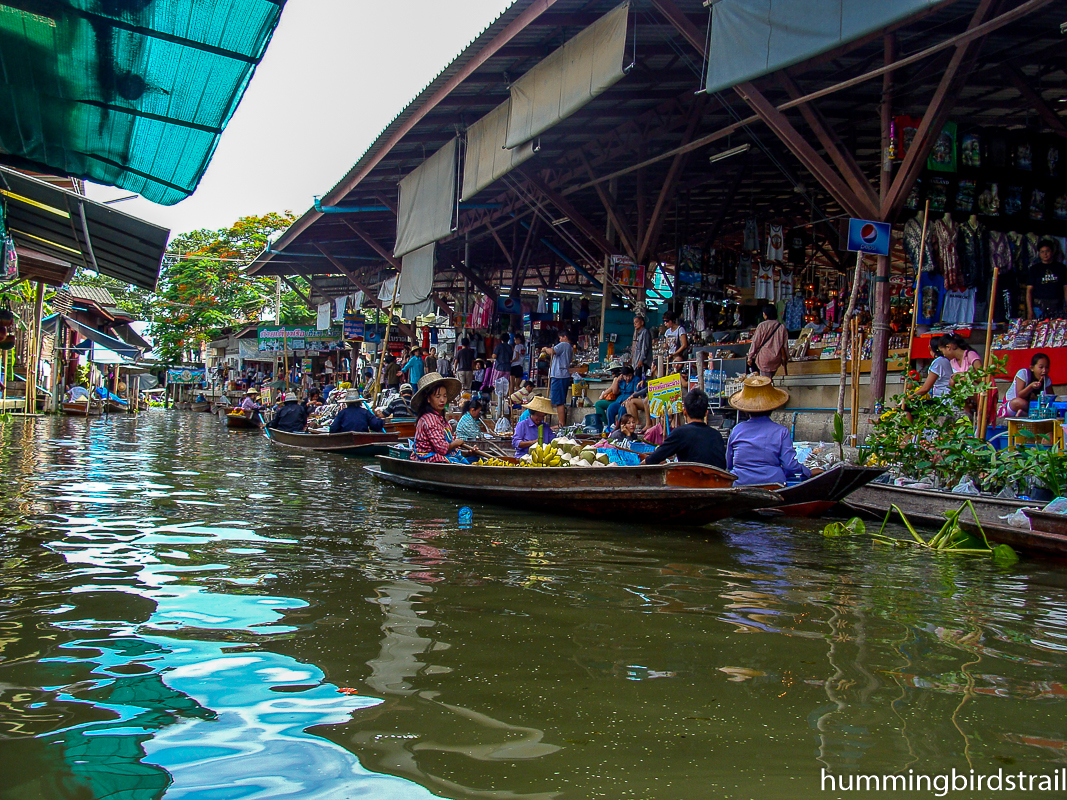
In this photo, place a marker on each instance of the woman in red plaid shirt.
(434, 441)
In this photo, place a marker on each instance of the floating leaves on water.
(851, 528)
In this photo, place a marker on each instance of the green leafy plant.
(950, 538)
(853, 527)
(839, 434)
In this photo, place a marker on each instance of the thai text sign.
(275, 339)
(185, 375)
(668, 389)
(354, 328)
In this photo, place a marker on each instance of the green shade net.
(128, 93)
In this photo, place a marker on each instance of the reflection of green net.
(130, 93)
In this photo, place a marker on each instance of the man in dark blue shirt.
(291, 417)
(694, 441)
(354, 417)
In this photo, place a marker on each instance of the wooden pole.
(385, 341)
(845, 323)
(987, 356)
(916, 299)
(856, 339)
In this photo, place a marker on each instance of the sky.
(333, 77)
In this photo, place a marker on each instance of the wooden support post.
(987, 356)
(879, 294)
(33, 368)
(849, 312)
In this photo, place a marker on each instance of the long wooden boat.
(679, 493)
(819, 493)
(81, 408)
(201, 406)
(239, 421)
(927, 507)
(404, 428)
(371, 443)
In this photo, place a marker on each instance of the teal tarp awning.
(128, 93)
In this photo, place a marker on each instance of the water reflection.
(183, 608)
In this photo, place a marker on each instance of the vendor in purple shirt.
(760, 451)
(533, 428)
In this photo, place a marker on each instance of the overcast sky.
(334, 75)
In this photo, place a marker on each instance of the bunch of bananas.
(543, 455)
(493, 462)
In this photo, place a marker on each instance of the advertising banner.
(186, 375)
(275, 339)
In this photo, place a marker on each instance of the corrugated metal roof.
(94, 294)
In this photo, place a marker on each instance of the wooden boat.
(404, 428)
(819, 493)
(371, 443)
(679, 493)
(116, 406)
(927, 507)
(239, 420)
(201, 406)
(81, 408)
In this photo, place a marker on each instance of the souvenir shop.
(994, 196)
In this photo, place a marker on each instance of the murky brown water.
(190, 612)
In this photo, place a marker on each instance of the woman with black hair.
(469, 427)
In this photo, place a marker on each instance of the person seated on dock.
(433, 437)
(400, 406)
(695, 441)
(760, 451)
(469, 428)
(355, 417)
(1027, 385)
(523, 395)
(292, 417)
(533, 429)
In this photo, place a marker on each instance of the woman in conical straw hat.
(434, 441)
(533, 428)
(760, 451)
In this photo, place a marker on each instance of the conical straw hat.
(759, 394)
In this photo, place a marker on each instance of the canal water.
(191, 612)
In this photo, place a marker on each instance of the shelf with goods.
(1018, 342)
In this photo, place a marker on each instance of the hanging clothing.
(931, 297)
(946, 233)
(972, 248)
(784, 288)
(958, 307)
(913, 234)
(775, 243)
(794, 313)
(751, 235)
(744, 272)
(765, 282)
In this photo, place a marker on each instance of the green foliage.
(932, 437)
(839, 434)
(853, 527)
(951, 538)
(203, 287)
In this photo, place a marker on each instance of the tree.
(203, 286)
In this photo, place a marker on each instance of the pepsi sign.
(865, 236)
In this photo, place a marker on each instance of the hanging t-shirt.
(931, 296)
(794, 314)
(765, 282)
(942, 368)
(775, 243)
(797, 243)
(751, 235)
(958, 308)
(744, 272)
(784, 287)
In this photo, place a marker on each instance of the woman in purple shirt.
(760, 451)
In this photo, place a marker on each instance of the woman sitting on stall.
(1028, 385)
(760, 451)
(962, 357)
(433, 437)
(469, 427)
(627, 384)
(609, 395)
(533, 429)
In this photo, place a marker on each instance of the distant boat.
(370, 443)
(83, 408)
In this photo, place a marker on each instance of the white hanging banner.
(339, 305)
(416, 276)
(486, 159)
(322, 317)
(427, 201)
(570, 77)
(385, 291)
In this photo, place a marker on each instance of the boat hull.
(682, 493)
(241, 422)
(83, 409)
(200, 407)
(928, 507)
(820, 493)
(347, 443)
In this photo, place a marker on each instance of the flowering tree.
(203, 286)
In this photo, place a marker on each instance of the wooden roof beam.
(1035, 100)
(358, 283)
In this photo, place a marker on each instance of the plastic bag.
(1017, 519)
(503, 425)
(966, 486)
(1057, 506)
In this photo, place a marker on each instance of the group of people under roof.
(295, 415)
(758, 451)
